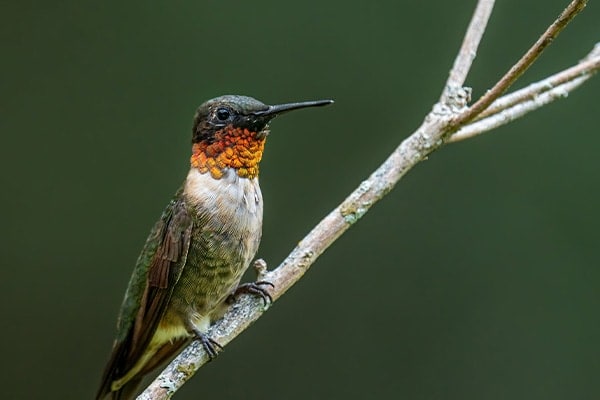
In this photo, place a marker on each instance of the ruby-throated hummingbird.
(197, 252)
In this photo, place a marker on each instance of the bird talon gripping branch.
(254, 288)
(211, 347)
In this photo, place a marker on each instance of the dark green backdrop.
(476, 278)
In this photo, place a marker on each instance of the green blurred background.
(476, 278)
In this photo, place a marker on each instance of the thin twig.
(515, 105)
(468, 49)
(523, 64)
(585, 66)
(517, 111)
(436, 128)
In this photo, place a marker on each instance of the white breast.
(236, 202)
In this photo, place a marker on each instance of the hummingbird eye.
(223, 114)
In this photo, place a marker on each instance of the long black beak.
(275, 110)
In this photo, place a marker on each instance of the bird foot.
(210, 346)
(254, 288)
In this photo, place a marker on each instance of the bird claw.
(210, 346)
(254, 288)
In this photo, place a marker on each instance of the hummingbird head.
(230, 132)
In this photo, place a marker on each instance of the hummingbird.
(193, 260)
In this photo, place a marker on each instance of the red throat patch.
(235, 148)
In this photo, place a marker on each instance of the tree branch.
(446, 117)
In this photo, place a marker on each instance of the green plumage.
(137, 282)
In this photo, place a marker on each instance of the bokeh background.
(476, 278)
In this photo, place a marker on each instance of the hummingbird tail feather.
(109, 375)
(128, 391)
(130, 387)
